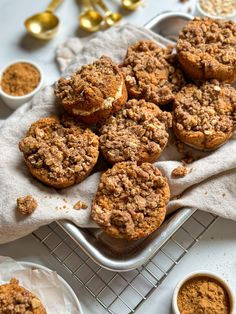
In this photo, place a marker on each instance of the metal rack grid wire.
(123, 292)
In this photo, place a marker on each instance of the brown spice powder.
(20, 79)
(203, 295)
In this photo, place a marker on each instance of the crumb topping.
(151, 72)
(94, 87)
(131, 200)
(179, 172)
(15, 299)
(136, 132)
(80, 205)
(207, 37)
(26, 204)
(60, 151)
(208, 108)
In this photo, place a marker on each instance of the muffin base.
(201, 141)
(102, 114)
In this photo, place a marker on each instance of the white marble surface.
(217, 249)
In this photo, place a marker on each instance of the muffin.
(207, 49)
(130, 202)
(151, 73)
(93, 92)
(16, 299)
(59, 153)
(204, 115)
(138, 132)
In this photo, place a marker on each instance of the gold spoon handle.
(87, 5)
(103, 6)
(53, 5)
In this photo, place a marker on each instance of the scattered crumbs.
(179, 172)
(80, 205)
(64, 206)
(45, 196)
(56, 207)
(190, 170)
(65, 199)
(187, 158)
(183, 1)
(223, 194)
(179, 145)
(26, 205)
(189, 10)
(50, 196)
(205, 193)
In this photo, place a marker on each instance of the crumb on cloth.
(80, 205)
(26, 205)
(179, 172)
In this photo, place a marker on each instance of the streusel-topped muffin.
(93, 92)
(138, 132)
(207, 49)
(204, 115)
(16, 299)
(131, 200)
(58, 152)
(151, 72)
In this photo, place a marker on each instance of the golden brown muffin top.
(131, 200)
(135, 132)
(93, 87)
(209, 107)
(60, 148)
(214, 37)
(16, 299)
(151, 72)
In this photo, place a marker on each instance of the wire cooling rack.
(123, 292)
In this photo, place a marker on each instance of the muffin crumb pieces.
(179, 172)
(80, 205)
(188, 158)
(26, 205)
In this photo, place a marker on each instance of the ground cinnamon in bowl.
(203, 295)
(20, 79)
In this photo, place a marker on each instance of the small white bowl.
(204, 273)
(14, 102)
(200, 12)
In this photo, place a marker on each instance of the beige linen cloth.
(210, 184)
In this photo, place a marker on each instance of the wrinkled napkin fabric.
(210, 184)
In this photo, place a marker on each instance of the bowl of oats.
(217, 9)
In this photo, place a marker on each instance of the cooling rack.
(123, 292)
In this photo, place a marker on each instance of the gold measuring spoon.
(90, 20)
(131, 4)
(44, 25)
(110, 17)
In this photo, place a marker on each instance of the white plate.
(69, 293)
